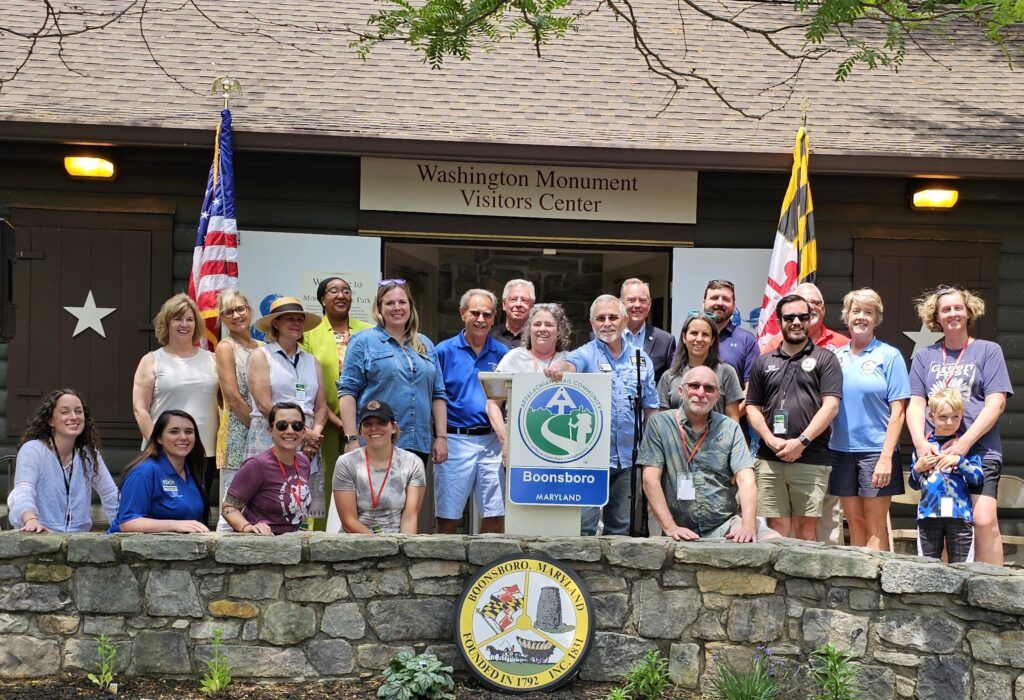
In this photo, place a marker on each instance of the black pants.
(956, 534)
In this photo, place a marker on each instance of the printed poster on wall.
(692, 268)
(272, 264)
(559, 440)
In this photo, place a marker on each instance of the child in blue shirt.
(944, 516)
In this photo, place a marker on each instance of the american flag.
(215, 260)
(795, 253)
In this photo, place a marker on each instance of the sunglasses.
(296, 425)
(384, 283)
(237, 311)
(789, 318)
(708, 388)
(701, 314)
(609, 317)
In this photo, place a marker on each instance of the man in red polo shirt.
(830, 526)
(820, 335)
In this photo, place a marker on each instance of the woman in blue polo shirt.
(162, 490)
(866, 467)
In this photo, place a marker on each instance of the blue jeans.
(616, 511)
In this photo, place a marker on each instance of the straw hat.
(287, 305)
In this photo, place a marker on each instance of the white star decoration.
(922, 338)
(89, 316)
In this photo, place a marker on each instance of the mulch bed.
(77, 687)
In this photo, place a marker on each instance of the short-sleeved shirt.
(460, 365)
(153, 489)
(721, 456)
(595, 356)
(729, 389)
(279, 500)
(797, 383)
(871, 381)
(981, 371)
(738, 347)
(350, 475)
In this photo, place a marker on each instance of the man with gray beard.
(698, 473)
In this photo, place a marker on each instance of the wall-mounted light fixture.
(933, 195)
(89, 167)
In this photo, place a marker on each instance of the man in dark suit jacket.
(658, 344)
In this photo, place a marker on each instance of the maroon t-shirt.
(279, 500)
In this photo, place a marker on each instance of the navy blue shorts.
(852, 471)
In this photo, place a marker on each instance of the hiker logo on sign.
(560, 422)
(524, 623)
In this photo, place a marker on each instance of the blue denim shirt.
(596, 357)
(377, 367)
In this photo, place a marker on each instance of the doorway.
(573, 276)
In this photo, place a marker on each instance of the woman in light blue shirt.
(59, 466)
(396, 364)
(866, 467)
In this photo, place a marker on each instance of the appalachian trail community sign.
(524, 623)
(559, 440)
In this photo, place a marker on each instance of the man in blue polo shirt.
(474, 463)
(608, 353)
(736, 345)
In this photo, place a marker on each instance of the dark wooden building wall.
(293, 192)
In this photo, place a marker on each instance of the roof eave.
(591, 156)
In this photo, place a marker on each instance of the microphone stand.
(637, 529)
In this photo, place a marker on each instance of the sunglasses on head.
(296, 425)
(718, 284)
(384, 283)
(708, 388)
(701, 314)
(943, 290)
(789, 318)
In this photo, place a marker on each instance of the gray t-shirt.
(721, 456)
(729, 388)
(406, 470)
(981, 371)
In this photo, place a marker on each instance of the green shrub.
(761, 682)
(645, 680)
(423, 676)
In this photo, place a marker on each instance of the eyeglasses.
(789, 318)
(237, 311)
(607, 317)
(384, 283)
(701, 314)
(815, 302)
(334, 291)
(480, 314)
(708, 388)
(296, 425)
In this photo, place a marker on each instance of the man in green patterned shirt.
(698, 473)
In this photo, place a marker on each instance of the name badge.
(604, 367)
(780, 422)
(643, 360)
(170, 488)
(684, 488)
(300, 391)
(946, 507)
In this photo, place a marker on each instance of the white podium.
(528, 520)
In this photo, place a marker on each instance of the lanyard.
(67, 475)
(369, 477)
(295, 489)
(790, 375)
(294, 363)
(956, 362)
(687, 455)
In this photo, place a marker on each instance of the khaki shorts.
(735, 522)
(785, 489)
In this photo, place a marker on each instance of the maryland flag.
(795, 253)
(501, 610)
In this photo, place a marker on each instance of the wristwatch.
(351, 438)
(804, 440)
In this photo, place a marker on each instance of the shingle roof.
(589, 90)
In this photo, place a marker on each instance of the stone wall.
(315, 605)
